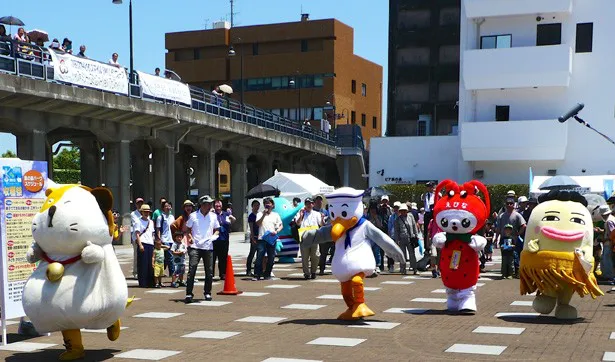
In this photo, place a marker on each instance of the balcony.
(521, 67)
(490, 8)
(543, 140)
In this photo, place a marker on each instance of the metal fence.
(32, 61)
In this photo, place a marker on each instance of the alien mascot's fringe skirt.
(551, 271)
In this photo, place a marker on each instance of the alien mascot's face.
(287, 212)
(71, 216)
(560, 225)
(460, 210)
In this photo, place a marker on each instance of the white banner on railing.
(89, 73)
(159, 87)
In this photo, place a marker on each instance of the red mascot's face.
(460, 210)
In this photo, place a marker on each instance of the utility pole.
(232, 12)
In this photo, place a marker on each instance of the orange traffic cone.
(229, 281)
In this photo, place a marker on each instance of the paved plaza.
(291, 319)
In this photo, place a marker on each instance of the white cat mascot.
(78, 282)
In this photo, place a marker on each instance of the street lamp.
(119, 2)
(293, 83)
(232, 53)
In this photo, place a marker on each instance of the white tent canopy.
(298, 185)
(593, 184)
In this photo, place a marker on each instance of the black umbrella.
(262, 190)
(559, 182)
(11, 20)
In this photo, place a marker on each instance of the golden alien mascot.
(557, 256)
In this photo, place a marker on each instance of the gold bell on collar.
(55, 271)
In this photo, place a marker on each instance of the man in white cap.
(599, 235)
(135, 216)
(202, 230)
(522, 204)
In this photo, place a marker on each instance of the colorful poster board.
(22, 193)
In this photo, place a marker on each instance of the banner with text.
(159, 87)
(89, 73)
(22, 193)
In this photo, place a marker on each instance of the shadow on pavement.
(52, 355)
(336, 322)
(543, 320)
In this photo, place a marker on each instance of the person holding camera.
(308, 217)
(269, 225)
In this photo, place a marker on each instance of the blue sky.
(103, 26)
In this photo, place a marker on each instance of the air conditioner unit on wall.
(479, 174)
(552, 172)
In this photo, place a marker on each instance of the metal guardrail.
(32, 61)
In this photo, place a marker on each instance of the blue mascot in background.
(288, 248)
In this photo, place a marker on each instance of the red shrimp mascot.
(460, 213)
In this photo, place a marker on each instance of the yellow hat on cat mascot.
(78, 282)
(557, 256)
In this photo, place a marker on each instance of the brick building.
(308, 65)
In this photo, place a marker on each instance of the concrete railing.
(36, 64)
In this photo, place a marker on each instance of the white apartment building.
(524, 63)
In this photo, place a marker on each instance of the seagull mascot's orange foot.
(353, 259)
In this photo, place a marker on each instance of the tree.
(67, 166)
(9, 154)
(67, 159)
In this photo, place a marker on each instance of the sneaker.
(404, 272)
(182, 284)
(173, 285)
(306, 276)
(391, 269)
(188, 299)
(321, 273)
(313, 276)
(434, 274)
(267, 278)
(158, 286)
(208, 297)
(254, 279)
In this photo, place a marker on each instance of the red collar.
(64, 262)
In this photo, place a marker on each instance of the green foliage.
(413, 193)
(9, 154)
(67, 159)
(63, 176)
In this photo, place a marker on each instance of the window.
(318, 81)
(421, 128)
(363, 120)
(496, 41)
(502, 113)
(585, 36)
(255, 49)
(353, 117)
(353, 87)
(549, 34)
(197, 53)
(375, 122)
(318, 113)
(304, 46)
(364, 89)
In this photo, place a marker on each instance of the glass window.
(284, 82)
(318, 114)
(304, 46)
(364, 90)
(375, 122)
(353, 86)
(318, 81)
(363, 120)
(308, 81)
(353, 117)
(276, 82)
(496, 41)
(585, 35)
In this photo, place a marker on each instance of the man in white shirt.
(113, 61)
(163, 232)
(269, 225)
(145, 244)
(202, 230)
(308, 217)
(134, 221)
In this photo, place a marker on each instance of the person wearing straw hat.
(145, 243)
(406, 236)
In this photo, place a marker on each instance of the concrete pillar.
(213, 174)
(140, 170)
(164, 174)
(346, 175)
(265, 169)
(182, 179)
(32, 146)
(204, 171)
(239, 189)
(117, 173)
(90, 162)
